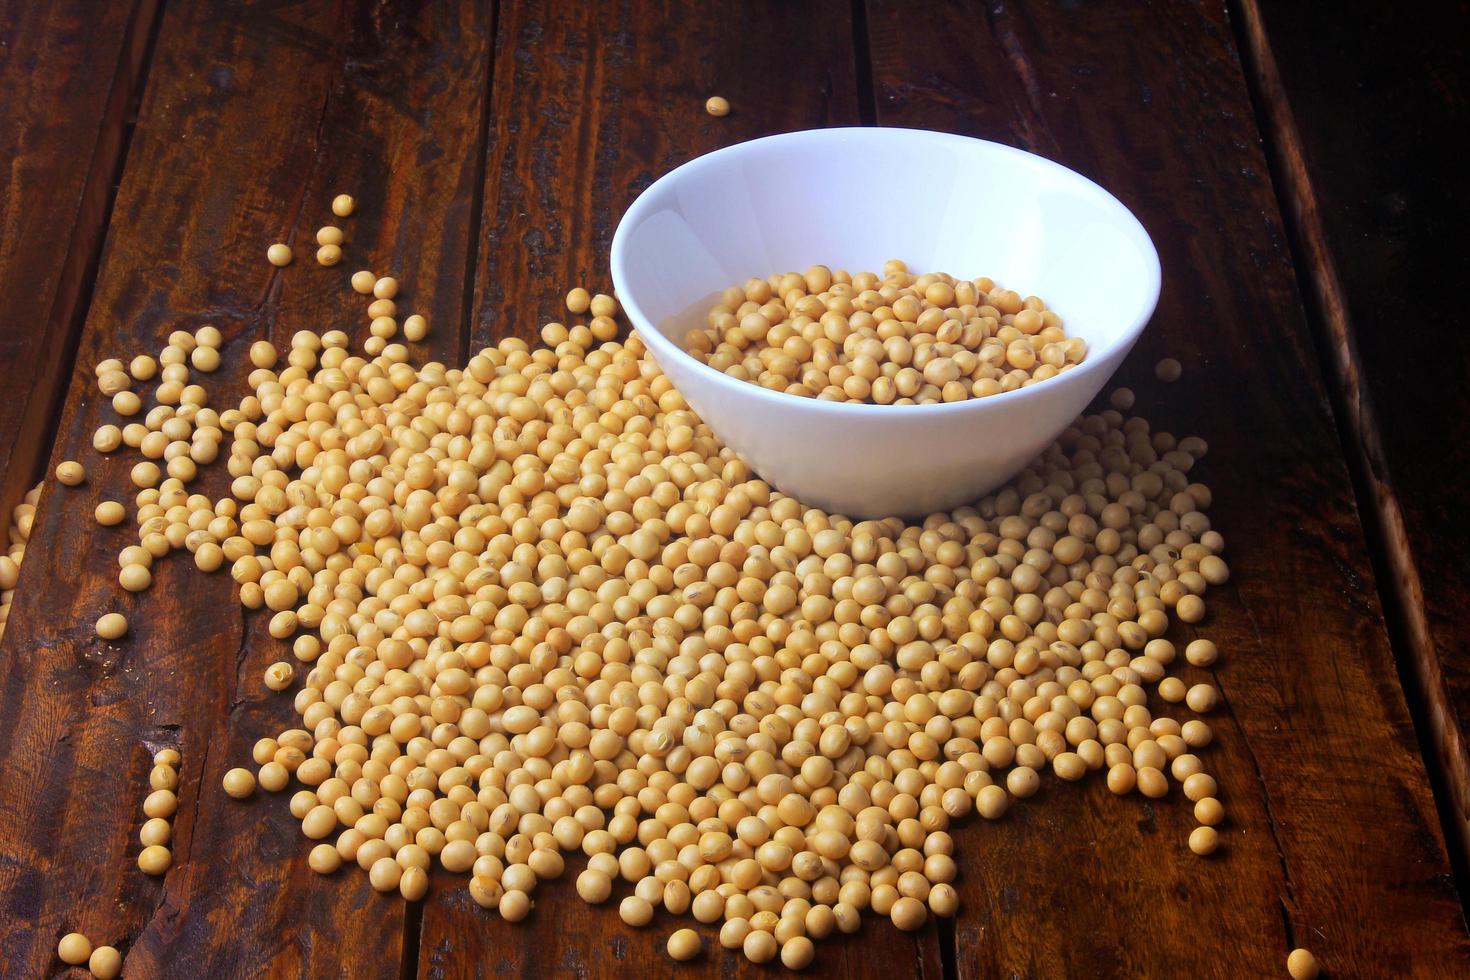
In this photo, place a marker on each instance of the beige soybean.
(161, 803)
(239, 783)
(113, 382)
(1204, 840)
(155, 859)
(155, 830)
(684, 945)
(107, 438)
(126, 403)
(74, 948)
(207, 359)
(105, 963)
(111, 626)
(135, 578)
(279, 675)
(797, 953)
(324, 859)
(1302, 965)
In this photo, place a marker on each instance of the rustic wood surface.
(492, 151)
(1316, 753)
(68, 76)
(253, 119)
(1391, 231)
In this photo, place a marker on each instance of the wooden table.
(153, 148)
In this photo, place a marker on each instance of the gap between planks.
(413, 919)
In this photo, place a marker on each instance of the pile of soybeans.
(899, 340)
(535, 606)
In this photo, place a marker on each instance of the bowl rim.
(661, 345)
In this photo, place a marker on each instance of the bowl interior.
(854, 198)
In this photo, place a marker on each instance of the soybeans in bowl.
(899, 340)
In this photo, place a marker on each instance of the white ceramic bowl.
(852, 199)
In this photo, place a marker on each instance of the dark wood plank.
(253, 118)
(69, 72)
(1332, 840)
(1375, 220)
(589, 107)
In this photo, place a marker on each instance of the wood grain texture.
(1332, 840)
(590, 105)
(68, 73)
(593, 102)
(254, 117)
(1389, 230)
